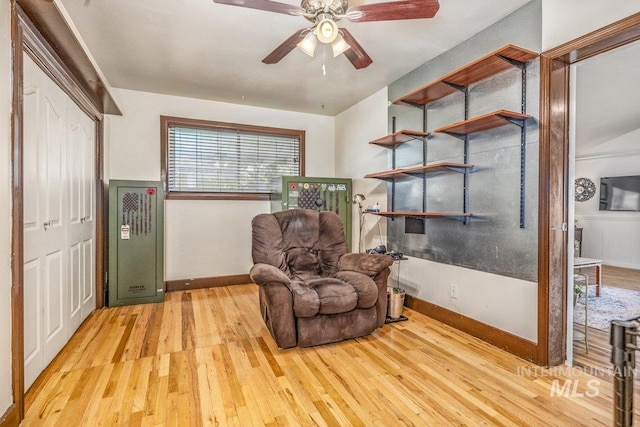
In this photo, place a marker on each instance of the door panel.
(33, 355)
(82, 231)
(75, 158)
(55, 334)
(35, 217)
(88, 179)
(53, 139)
(74, 165)
(87, 138)
(30, 160)
(88, 287)
(75, 275)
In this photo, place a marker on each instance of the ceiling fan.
(325, 13)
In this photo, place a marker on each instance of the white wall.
(565, 20)
(355, 157)
(613, 237)
(503, 302)
(5, 207)
(204, 238)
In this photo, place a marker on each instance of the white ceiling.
(607, 96)
(200, 49)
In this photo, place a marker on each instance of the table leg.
(598, 279)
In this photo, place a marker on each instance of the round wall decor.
(585, 189)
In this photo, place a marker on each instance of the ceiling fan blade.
(268, 5)
(391, 11)
(356, 54)
(283, 50)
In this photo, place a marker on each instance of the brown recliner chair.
(311, 290)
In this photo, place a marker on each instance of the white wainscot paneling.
(614, 239)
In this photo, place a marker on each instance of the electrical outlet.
(454, 291)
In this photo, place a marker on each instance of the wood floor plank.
(188, 322)
(151, 338)
(205, 357)
(124, 338)
(170, 339)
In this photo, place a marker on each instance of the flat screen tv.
(620, 193)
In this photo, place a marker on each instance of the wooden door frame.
(554, 157)
(26, 39)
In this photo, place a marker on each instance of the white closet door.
(81, 140)
(58, 233)
(74, 169)
(88, 294)
(33, 228)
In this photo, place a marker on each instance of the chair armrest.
(261, 274)
(369, 264)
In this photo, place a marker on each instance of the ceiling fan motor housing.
(315, 7)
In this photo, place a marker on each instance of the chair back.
(301, 242)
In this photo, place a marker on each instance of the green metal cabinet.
(136, 242)
(321, 194)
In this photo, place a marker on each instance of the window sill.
(176, 195)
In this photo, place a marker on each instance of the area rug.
(612, 304)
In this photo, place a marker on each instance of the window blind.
(228, 161)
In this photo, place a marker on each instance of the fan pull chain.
(324, 57)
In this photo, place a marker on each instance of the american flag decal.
(136, 212)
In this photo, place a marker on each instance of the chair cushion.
(364, 286)
(323, 295)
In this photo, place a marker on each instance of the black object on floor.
(392, 320)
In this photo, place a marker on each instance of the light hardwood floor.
(204, 357)
(627, 278)
(598, 358)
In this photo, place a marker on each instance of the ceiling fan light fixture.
(327, 30)
(308, 44)
(339, 46)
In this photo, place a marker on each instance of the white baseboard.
(621, 264)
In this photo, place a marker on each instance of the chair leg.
(586, 314)
(582, 281)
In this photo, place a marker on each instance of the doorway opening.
(604, 203)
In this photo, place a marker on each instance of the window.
(213, 160)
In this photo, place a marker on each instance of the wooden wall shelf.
(420, 170)
(399, 137)
(489, 65)
(460, 216)
(487, 121)
(427, 94)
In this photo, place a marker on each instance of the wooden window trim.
(167, 121)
